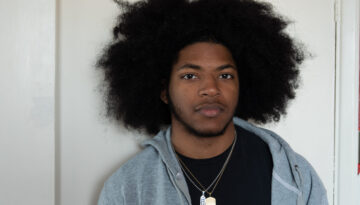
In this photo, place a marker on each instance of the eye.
(226, 76)
(188, 76)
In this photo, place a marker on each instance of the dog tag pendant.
(210, 201)
(203, 199)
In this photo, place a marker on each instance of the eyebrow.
(197, 67)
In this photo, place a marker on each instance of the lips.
(209, 110)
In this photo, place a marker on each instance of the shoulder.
(134, 167)
(309, 183)
(290, 168)
(129, 177)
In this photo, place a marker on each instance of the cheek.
(182, 95)
(183, 98)
(231, 89)
(232, 96)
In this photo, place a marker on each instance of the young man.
(194, 72)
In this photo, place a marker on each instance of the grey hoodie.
(154, 176)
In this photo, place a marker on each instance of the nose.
(209, 87)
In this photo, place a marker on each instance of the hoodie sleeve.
(317, 193)
(110, 195)
(313, 190)
(103, 199)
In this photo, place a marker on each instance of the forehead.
(205, 53)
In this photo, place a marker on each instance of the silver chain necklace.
(210, 200)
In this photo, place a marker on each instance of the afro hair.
(149, 35)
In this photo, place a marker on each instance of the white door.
(27, 80)
(91, 148)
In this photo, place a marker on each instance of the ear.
(163, 96)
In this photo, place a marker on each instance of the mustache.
(210, 105)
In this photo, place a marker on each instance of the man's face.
(203, 89)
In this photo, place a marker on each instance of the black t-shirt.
(246, 179)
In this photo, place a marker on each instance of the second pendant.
(210, 201)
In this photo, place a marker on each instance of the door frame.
(346, 180)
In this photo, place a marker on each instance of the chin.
(208, 131)
(211, 126)
(209, 134)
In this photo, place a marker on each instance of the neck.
(197, 147)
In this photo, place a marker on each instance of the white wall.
(27, 68)
(90, 147)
